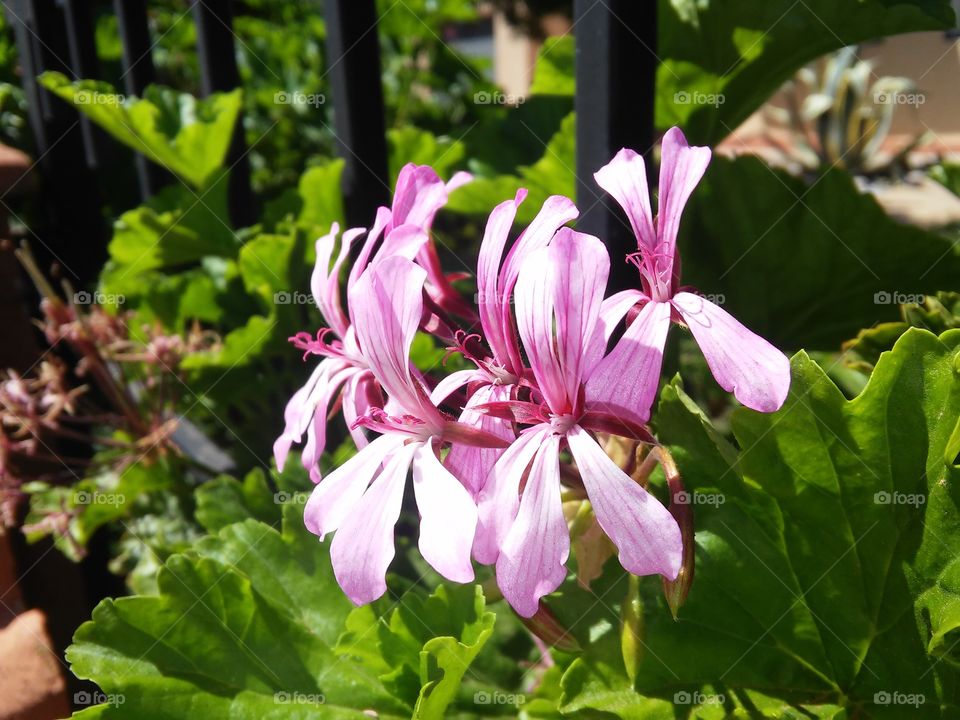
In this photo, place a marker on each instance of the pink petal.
(625, 381)
(615, 307)
(532, 560)
(311, 399)
(643, 530)
(419, 194)
(625, 178)
(534, 299)
(562, 288)
(556, 212)
(681, 168)
(404, 241)
(387, 303)
(381, 222)
(490, 301)
(317, 430)
(500, 496)
(325, 280)
(473, 464)
(334, 497)
(581, 266)
(362, 548)
(448, 517)
(359, 395)
(743, 363)
(612, 312)
(451, 383)
(459, 179)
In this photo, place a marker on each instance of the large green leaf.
(552, 174)
(188, 137)
(423, 648)
(243, 627)
(174, 228)
(251, 623)
(722, 60)
(827, 571)
(805, 265)
(315, 204)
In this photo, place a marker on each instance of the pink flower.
(498, 374)
(361, 499)
(419, 195)
(756, 372)
(405, 228)
(559, 300)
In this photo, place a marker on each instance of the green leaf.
(826, 549)
(240, 347)
(554, 70)
(226, 500)
(242, 627)
(552, 174)
(317, 202)
(266, 264)
(722, 60)
(937, 314)
(423, 648)
(804, 265)
(174, 228)
(412, 145)
(188, 137)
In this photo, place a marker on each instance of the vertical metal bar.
(616, 65)
(138, 73)
(83, 59)
(353, 57)
(72, 230)
(219, 72)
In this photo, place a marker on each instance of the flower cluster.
(488, 446)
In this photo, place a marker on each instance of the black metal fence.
(615, 67)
